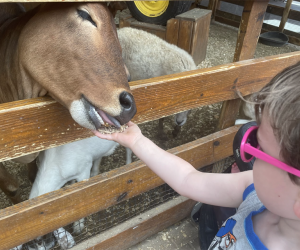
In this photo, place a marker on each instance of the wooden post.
(189, 31)
(285, 15)
(249, 31)
(213, 5)
(193, 31)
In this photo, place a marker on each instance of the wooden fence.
(32, 125)
(235, 20)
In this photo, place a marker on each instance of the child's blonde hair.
(280, 98)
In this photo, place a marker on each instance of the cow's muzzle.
(100, 118)
(128, 108)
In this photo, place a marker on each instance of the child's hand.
(127, 138)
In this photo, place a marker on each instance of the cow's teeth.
(98, 116)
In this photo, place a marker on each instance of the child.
(268, 215)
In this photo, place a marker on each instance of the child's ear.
(297, 208)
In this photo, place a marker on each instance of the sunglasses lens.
(252, 140)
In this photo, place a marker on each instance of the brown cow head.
(72, 51)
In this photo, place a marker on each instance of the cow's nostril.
(126, 100)
(128, 107)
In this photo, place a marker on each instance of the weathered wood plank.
(199, 34)
(29, 219)
(250, 27)
(172, 31)
(229, 16)
(32, 125)
(140, 227)
(285, 15)
(227, 21)
(185, 35)
(200, 39)
(213, 5)
(234, 20)
(249, 31)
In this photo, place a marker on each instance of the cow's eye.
(86, 16)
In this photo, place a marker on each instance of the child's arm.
(216, 189)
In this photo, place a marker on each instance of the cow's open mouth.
(103, 121)
(108, 123)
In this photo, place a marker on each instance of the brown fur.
(43, 61)
(52, 50)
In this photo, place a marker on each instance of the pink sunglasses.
(250, 148)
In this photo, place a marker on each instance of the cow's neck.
(15, 84)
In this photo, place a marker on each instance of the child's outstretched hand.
(127, 138)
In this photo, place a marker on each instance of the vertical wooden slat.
(285, 15)
(200, 37)
(191, 32)
(172, 31)
(213, 6)
(185, 35)
(250, 27)
(249, 31)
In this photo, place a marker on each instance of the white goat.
(145, 56)
(74, 161)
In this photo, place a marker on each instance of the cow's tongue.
(104, 117)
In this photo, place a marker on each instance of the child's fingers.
(130, 123)
(111, 137)
(100, 135)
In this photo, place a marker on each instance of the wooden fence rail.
(283, 12)
(32, 125)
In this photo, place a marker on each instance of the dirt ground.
(201, 121)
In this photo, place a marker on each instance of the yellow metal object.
(152, 8)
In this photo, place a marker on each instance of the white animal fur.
(145, 56)
(74, 161)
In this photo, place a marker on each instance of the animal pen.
(37, 124)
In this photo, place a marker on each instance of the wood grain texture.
(140, 227)
(38, 216)
(228, 113)
(221, 19)
(250, 27)
(185, 35)
(213, 5)
(234, 20)
(200, 22)
(249, 31)
(172, 31)
(32, 125)
(200, 37)
(285, 15)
